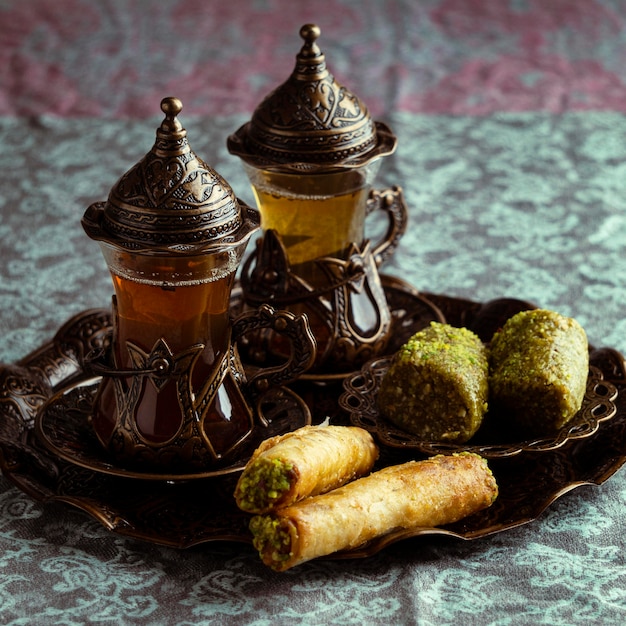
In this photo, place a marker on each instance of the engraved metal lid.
(311, 121)
(170, 199)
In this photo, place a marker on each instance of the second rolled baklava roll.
(416, 494)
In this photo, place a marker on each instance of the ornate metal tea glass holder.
(201, 436)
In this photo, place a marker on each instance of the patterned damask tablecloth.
(511, 155)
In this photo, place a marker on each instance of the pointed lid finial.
(171, 125)
(310, 60)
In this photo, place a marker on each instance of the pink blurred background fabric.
(117, 58)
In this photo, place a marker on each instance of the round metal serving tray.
(185, 513)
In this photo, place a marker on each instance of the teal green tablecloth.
(527, 205)
(512, 155)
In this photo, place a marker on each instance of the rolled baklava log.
(437, 384)
(539, 364)
(434, 492)
(302, 463)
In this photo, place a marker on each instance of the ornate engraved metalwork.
(191, 446)
(311, 121)
(198, 443)
(410, 312)
(25, 385)
(63, 427)
(359, 399)
(333, 303)
(170, 198)
(297, 331)
(390, 201)
(174, 393)
(352, 286)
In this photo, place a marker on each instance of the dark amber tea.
(183, 302)
(173, 233)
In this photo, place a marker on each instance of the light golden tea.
(315, 226)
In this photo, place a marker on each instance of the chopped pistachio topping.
(271, 539)
(264, 482)
(538, 371)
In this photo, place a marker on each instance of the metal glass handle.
(392, 202)
(295, 328)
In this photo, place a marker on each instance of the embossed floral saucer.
(63, 425)
(491, 441)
